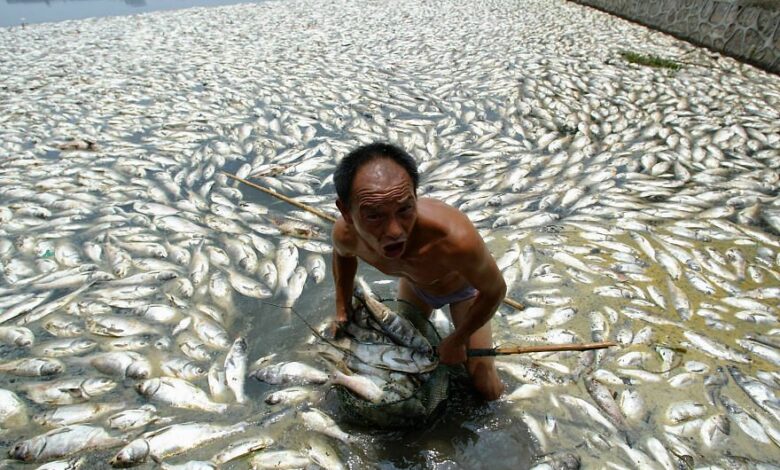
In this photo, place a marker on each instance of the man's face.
(383, 208)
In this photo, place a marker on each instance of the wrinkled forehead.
(380, 182)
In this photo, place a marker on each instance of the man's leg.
(482, 370)
(405, 292)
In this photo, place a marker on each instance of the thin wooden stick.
(514, 303)
(507, 350)
(511, 302)
(284, 198)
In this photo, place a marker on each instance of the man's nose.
(394, 228)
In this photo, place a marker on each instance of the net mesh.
(423, 405)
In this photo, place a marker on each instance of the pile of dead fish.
(385, 357)
(622, 203)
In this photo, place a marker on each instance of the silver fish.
(124, 364)
(68, 391)
(397, 327)
(241, 448)
(33, 367)
(13, 411)
(135, 418)
(318, 421)
(235, 368)
(73, 414)
(172, 440)
(279, 459)
(62, 442)
(178, 393)
(17, 335)
(290, 373)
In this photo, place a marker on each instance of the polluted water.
(142, 290)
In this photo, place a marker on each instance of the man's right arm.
(344, 270)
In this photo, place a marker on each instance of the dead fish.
(61, 442)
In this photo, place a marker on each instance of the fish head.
(28, 450)
(274, 398)
(42, 418)
(266, 374)
(24, 339)
(98, 276)
(74, 330)
(148, 387)
(299, 276)
(163, 343)
(382, 201)
(138, 370)
(96, 386)
(51, 368)
(83, 344)
(132, 454)
(194, 370)
(239, 346)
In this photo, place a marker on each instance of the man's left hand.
(452, 350)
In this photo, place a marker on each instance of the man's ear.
(344, 211)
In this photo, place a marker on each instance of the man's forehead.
(380, 172)
(382, 201)
(382, 181)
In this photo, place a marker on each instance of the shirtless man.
(435, 250)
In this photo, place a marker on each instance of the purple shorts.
(439, 301)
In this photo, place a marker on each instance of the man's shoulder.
(459, 234)
(439, 209)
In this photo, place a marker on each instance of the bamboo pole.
(507, 350)
(511, 302)
(284, 198)
(514, 303)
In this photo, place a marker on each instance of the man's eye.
(373, 217)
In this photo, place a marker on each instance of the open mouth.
(394, 250)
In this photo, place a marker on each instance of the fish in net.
(401, 363)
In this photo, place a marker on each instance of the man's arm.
(344, 270)
(479, 268)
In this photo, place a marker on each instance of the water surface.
(19, 12)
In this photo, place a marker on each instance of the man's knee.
(485, 378)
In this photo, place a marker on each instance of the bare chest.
(424, 270)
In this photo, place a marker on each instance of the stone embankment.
(748, 30)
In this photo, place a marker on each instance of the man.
(435, 250)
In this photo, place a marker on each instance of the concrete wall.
(748, 30)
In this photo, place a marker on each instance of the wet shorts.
(439, 301)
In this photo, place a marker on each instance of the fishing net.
(422, 406)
